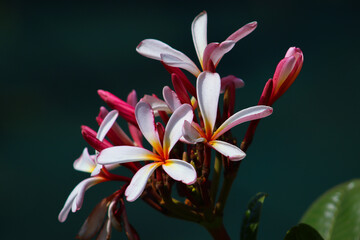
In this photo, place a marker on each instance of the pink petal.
(282, 71)
(124, 154)
(106, 124)
(199, 34)
(191, 134)
(245, 115)
(139, 180)
(132, 98)
(231, 151)
(225, 81)
(208, 91)
(145, 118)
(180, 171)
(174, 61)
(220, 50)
(171, 98)
(85, 162)
(76, 197)
(173, 130)
(243, 32)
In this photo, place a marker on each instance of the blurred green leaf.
(302, 231)
(336, 214)
(252, 217)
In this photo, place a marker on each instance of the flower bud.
(286, 72)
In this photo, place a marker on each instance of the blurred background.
(54, 56)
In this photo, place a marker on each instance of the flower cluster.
(187, 131)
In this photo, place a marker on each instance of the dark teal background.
(54, 56)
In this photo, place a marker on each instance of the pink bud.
(125, 110)
(180, 89)
(186, 82)
(286, 72)
(90, 137)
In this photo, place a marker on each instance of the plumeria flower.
(208, 91)
(209, 54)
(86, 162)
(175, 168)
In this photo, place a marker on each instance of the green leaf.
(336, 214)
(252, 217)
(302, 231)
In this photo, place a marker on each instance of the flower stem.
(217, 229)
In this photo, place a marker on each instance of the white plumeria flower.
(76, 197)
(208, 91)
(87, 162)
(209, 54)
(175, 168)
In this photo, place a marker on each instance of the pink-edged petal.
(180, 171)
(85, 163)
(208, 91)
(173, 129)
(171, 98)
(221, 50)
(135, 134)
(154, 49)
(139, 180)
(282, 71)
(245, 115)
(243, 32)
(76, 197)
(191, 134)
(123, 154)
(132, 98)
(106, 124)
(199, 34)
(174, 61)
(229, 150)
(225, 81)
(156, 104)
(145, 118)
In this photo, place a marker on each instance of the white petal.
(173, 129)
(208, 91)
(145, 118)
(85, 162)
(199, 34)
(191, 134)
(106, 124)
(76, 197)
(171, 98)
(156, 104)
(98, 168)
(174, 61)
(139, 180)
(248, 114)
(123, 154)
(152, 48)
(229, 150)
(180, 171)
